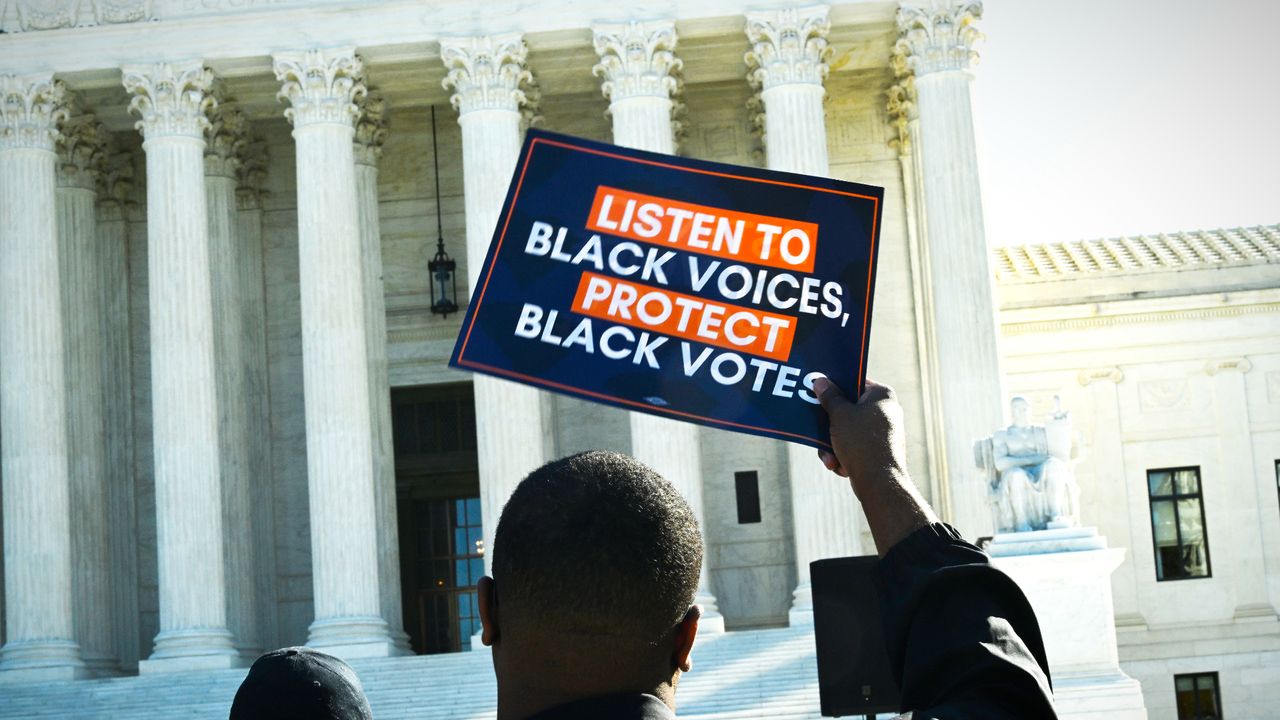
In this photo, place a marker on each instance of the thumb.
(829, 394)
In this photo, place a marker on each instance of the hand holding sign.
(699, 291)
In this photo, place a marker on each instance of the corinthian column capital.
(941, 36)
(788, 46)
(371, 128)
(31, 106)
(171, 98)
(228, 136)
(82, 152)
(637, 60)
(322, 86)
(486, 72)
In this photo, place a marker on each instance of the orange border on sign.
(506, 223)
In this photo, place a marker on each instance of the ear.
(685, 633)
(487, 594)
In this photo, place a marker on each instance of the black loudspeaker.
(854, 677)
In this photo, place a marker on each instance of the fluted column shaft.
(486, 74)
(969, 381)
(321, 87)
(788, 66)
(39, 628)
(225, 137)
(639, 70)
(172, 99)
(371, 132)
(81, 154)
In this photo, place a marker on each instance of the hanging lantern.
(442, 275)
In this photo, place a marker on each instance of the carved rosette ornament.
(901, 104)
(31, 106)
(486, 72)
(171, 98)
(788, 46)
(82, 152)
(227, 136)
(322, 86)
(371, 128)
(940, 37)
(637, 60)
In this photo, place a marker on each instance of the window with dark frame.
(1178, 531)
(747, 487)
(1198, 697)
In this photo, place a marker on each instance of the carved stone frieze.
(35, 15)
(171, 98)
(371, 128)
(788, 46)
(486, 72)
(940, 36)
(31, 106)
(637, 60)
(82, 152)
(322, 86)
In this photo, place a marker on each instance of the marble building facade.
(218, 213)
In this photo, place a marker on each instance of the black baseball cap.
(299, 683)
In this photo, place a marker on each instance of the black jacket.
(963, 640)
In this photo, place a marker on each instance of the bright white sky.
(1098, 118)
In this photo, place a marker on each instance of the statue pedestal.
(1066, 574)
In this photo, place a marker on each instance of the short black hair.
(600, 544)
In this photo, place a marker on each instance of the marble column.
(487, 75)
(226, 139)
(1238, 476)
(640, 74)
(938, 44)
(787, 65)
(251, 172)
(81, 155)
(172, 99)
(371, 133)
(115, 201)
(39, 626)
(321, 87)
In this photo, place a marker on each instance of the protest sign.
(694, 290)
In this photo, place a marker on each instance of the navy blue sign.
(694, 290)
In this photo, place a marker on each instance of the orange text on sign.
(744, 237)
(685, 316)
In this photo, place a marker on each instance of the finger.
(829, 394)
(874, 392)
(828, 459)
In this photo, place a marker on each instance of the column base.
(353, 637)
(103, 666)
(711, 622)
(41, 661)
(801, 612)
(193, 649)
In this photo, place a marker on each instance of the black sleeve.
(962, 638)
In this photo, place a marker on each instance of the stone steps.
(746, 674)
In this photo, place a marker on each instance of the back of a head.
(299, 683)
(596, 545)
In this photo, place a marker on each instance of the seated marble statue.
(1029, 471)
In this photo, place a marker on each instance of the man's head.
(1020, 411)
(595, 564)
(299, 683)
